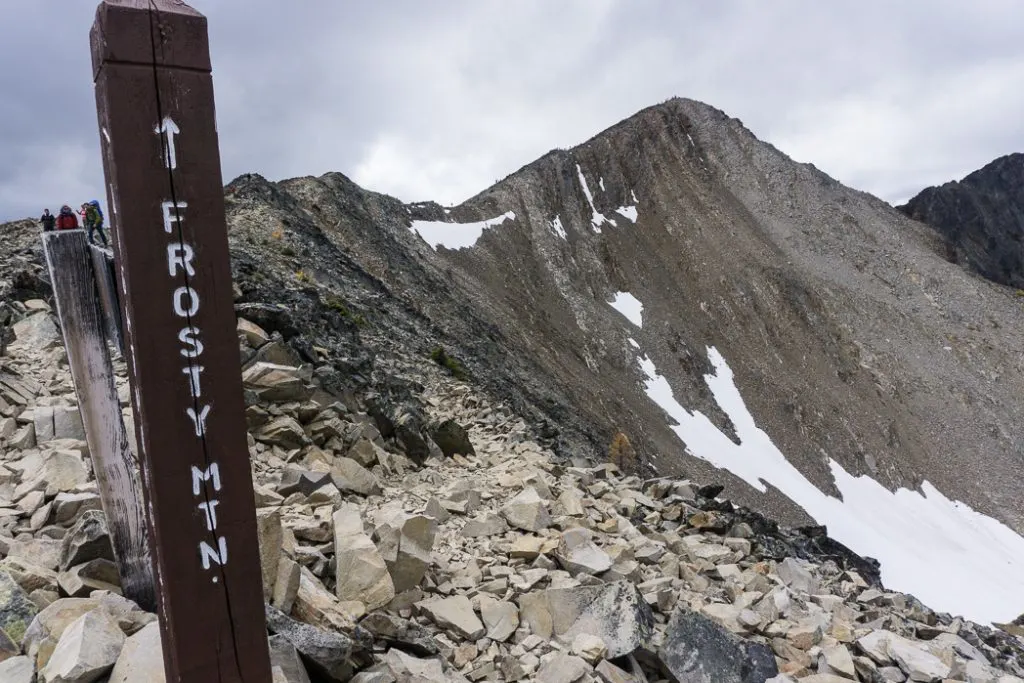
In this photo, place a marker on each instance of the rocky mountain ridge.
(484, 559)
(980, 218)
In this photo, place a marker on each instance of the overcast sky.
(437, 100)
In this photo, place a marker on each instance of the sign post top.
(166, 33)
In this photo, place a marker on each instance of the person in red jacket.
(66, 219)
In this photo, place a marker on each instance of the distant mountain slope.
(848, 336)
(740, 318)
(981, 219)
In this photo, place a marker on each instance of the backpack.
(94, 214)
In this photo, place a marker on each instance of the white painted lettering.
(193, 372)
(188, 335)
(211, 474)
(180, 295)
(180, 256)
(219, 555)
(199, 421)
(170, 218)
(167, 129)
(211, 514)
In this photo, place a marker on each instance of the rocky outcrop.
(980, 219)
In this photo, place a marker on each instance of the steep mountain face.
(980, 218)
(685, 299)
(849, 339)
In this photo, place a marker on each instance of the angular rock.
(44, 552)
(400, 633)
(590, 647)
(527, 511)
(578, 554)
(562, 668)
(285, 432)
(275, 383)
(254, 335)
(271, 539)
(16, 609)
(317, 606)
(81, 580)
(17, 670)
(326, 653)
(361, 572)
(141, 659)
(348, 475)
(285, 663)
(452, 439)
(455, 613)
(615, 612)
(87, 540)
(87, 650)
(286, 585)
(364, 452)
(301, 481)
(37, 331)
(408, 669)
(500, 618)
(405, 542)
(795, 576)
(487, 525)
(698, 650)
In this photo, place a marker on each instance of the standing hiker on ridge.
(67, 220)
(94, 221)
(48, 220)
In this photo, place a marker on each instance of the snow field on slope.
(629, 306)
(948, 556)
(456, 235)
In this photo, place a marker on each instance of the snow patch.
(632, 342)
(456, 235)
(947, 555)
(629, 306)
(601, 183)
(597, 218)
(629, 212)
(556, 225)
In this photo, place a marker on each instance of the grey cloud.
(437, 100)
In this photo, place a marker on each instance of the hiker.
(67, 220)
(94, 221)
(48, 220)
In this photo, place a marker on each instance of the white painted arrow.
(169, 128)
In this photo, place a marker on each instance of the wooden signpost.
(154, 97)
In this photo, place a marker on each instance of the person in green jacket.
(94, 221)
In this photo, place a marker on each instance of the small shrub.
(302, 277)
(288, 251)
(277, 234)
(337, 304)
(453, 366)
(621, 453)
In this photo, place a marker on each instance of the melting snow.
(629, 306)
(556, 225)
(456, 235)
(597, 218)
(947, 555)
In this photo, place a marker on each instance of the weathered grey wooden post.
(154, 96)
(75, 293)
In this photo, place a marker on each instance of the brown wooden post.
(154, 96)
(117, 477)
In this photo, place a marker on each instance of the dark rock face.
(452, 438)
(699, 650)
(981, 219)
